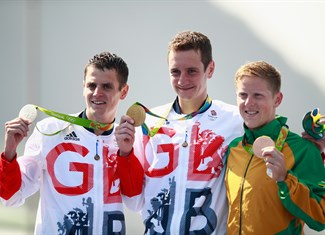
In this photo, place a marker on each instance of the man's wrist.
(7, 158)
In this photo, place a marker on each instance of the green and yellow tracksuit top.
(260, 205)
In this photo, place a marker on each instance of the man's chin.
(251, 125)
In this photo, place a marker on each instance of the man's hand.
(274, 161)
(124, 134)
(319, 143)
(16, 130)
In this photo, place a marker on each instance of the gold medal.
(137, 113)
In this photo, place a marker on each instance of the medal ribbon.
(278, 143)
(74, 120)
(154, 130)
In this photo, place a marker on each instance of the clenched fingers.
(17, 126)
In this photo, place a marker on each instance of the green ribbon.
(74, 120)
(278, 143)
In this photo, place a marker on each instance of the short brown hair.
(189, 40)
(107, 60)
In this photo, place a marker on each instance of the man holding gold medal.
(72, 159)
(181, 146)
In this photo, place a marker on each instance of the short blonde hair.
(262, 70)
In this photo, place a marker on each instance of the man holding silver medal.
(72, 159)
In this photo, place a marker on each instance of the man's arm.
(10, 177)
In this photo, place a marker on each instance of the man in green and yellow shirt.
(292, 195)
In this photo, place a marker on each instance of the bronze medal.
(260, 143)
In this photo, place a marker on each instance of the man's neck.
(190, 106)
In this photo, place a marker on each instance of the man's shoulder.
(227, 110)
(294, 140)
(225, 106)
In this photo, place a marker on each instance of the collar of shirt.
(83, 115)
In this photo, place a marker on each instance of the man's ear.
(124, 91)
(278, 99)
(210, 68)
